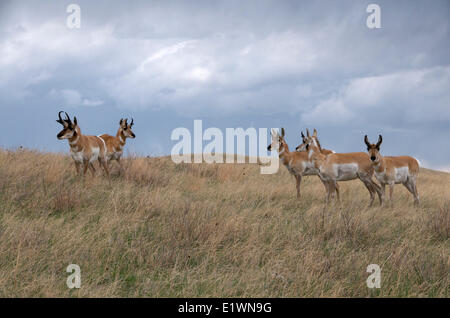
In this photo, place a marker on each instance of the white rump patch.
(104, 144)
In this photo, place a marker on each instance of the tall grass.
(212, 230)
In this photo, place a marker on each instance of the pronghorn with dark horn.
(83, 149)
(341, 166)
(114, 145)
(393, 170)
(297, 163)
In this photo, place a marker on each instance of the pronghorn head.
(277, 143)
(308, 141)
(126, 128)
(70, 129)
(374, 149)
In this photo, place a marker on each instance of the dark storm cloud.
(262, 63)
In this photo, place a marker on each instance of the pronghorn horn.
(380, 140)
(126, 121)
(132, 121)
(307, 133)
(67, 118)
(282, 132)
(60, 120)
(366, 140)
(303, 138)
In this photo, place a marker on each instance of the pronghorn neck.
(74, 142)
(284, 152)
(380, 166)
(315, 155)
(120, 137)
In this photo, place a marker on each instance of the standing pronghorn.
(342, 167)
(393, 170)
(297, 163)
(114, 145)
(83, 149)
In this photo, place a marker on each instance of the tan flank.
(393, 170)
(343, 167)
(114, 145)
(83, 149)
(297, 163)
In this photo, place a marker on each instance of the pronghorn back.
(403, 161)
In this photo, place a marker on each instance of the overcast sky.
(291, 64)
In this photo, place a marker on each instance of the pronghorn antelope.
(393, 170)
(341, 166)
(114, 145)
(297, 163)
(316, 142)
(83, 149)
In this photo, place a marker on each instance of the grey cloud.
(294, 63)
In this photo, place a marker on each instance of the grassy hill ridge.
(212, 230)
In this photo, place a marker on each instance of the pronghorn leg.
(412, 188)
(416, 193)
(327, 200)
(369, 185)
(104, 164)
(122, 170)
(330, 191)
(298, 180)
(326, 184)
(77, 167)
(391, 193)
(383, 193)
(85, 167)
(92, 168)
(336, 188)
(377, 188)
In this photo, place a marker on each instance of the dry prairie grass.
(200, 230)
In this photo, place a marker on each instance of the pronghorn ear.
(315, 133)
(75, 120)
(282, 132)
(380, 140)
(307, 133)
(366, 140)
(120, 122)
